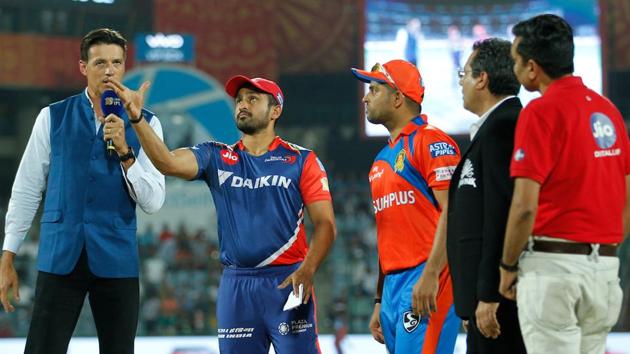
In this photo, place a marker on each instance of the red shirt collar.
(274, 144)
(564, 83)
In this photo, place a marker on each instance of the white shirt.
(30, 180)
(474, 128)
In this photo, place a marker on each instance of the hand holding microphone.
(112, 109)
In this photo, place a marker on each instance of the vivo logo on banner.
(159, 40)
(164, 47)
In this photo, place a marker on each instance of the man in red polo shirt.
(571, 165)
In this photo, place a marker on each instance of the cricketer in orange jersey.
(413, 310)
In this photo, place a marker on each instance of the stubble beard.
(251, 125)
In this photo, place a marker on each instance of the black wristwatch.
(129, 155)
(509, 268)
(136, 121)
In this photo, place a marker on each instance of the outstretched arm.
(181, 162)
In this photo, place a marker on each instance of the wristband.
(136, 121)
(128, 156)
(509, 268)
(377, 300)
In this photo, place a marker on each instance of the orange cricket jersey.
(402, 177)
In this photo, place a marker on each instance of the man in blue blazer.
(94, 172)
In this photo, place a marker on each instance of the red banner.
(266, 38)
(39, 61)
(231, 37)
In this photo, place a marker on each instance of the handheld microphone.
(111, 104)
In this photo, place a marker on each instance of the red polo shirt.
(574, 143)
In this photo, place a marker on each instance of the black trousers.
(509, 342)
(58, 302)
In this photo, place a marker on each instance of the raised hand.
(132, 100)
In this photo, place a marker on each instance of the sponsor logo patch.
(376, 173)
(223, 176)
(295, 327)
(260, 182)
(519, 155)
(283, 328)
(324, 181)
(399, 163)
(288, 159)
(299, 326)
(235, 332)
(603, 130)
(441, 148)
(605, 135)
(410, 321)
(229, 157)
(444, 173)
(467, 177)
(393, 199)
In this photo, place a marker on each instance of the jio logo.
(603, 130)
(229, 157)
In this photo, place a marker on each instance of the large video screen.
(437, 35)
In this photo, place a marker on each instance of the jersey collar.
(274, 144)
(408, 129)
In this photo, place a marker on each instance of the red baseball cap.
(267, 86)
(399, 74)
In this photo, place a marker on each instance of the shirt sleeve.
(314, 180)
(436, 155)
(146, 182)
(535, 142)
(29, 184)
(205, 160)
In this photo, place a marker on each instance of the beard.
(251, 125)
(373, 117)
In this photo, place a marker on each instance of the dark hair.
(411, 104)
(415, 106)
(493, 57)
(101, 36)
(547, 40)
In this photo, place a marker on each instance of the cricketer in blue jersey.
(261, 188)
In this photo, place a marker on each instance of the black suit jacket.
(479, 200)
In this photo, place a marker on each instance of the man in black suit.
(479, 200)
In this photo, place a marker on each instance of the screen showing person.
(437, 38)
